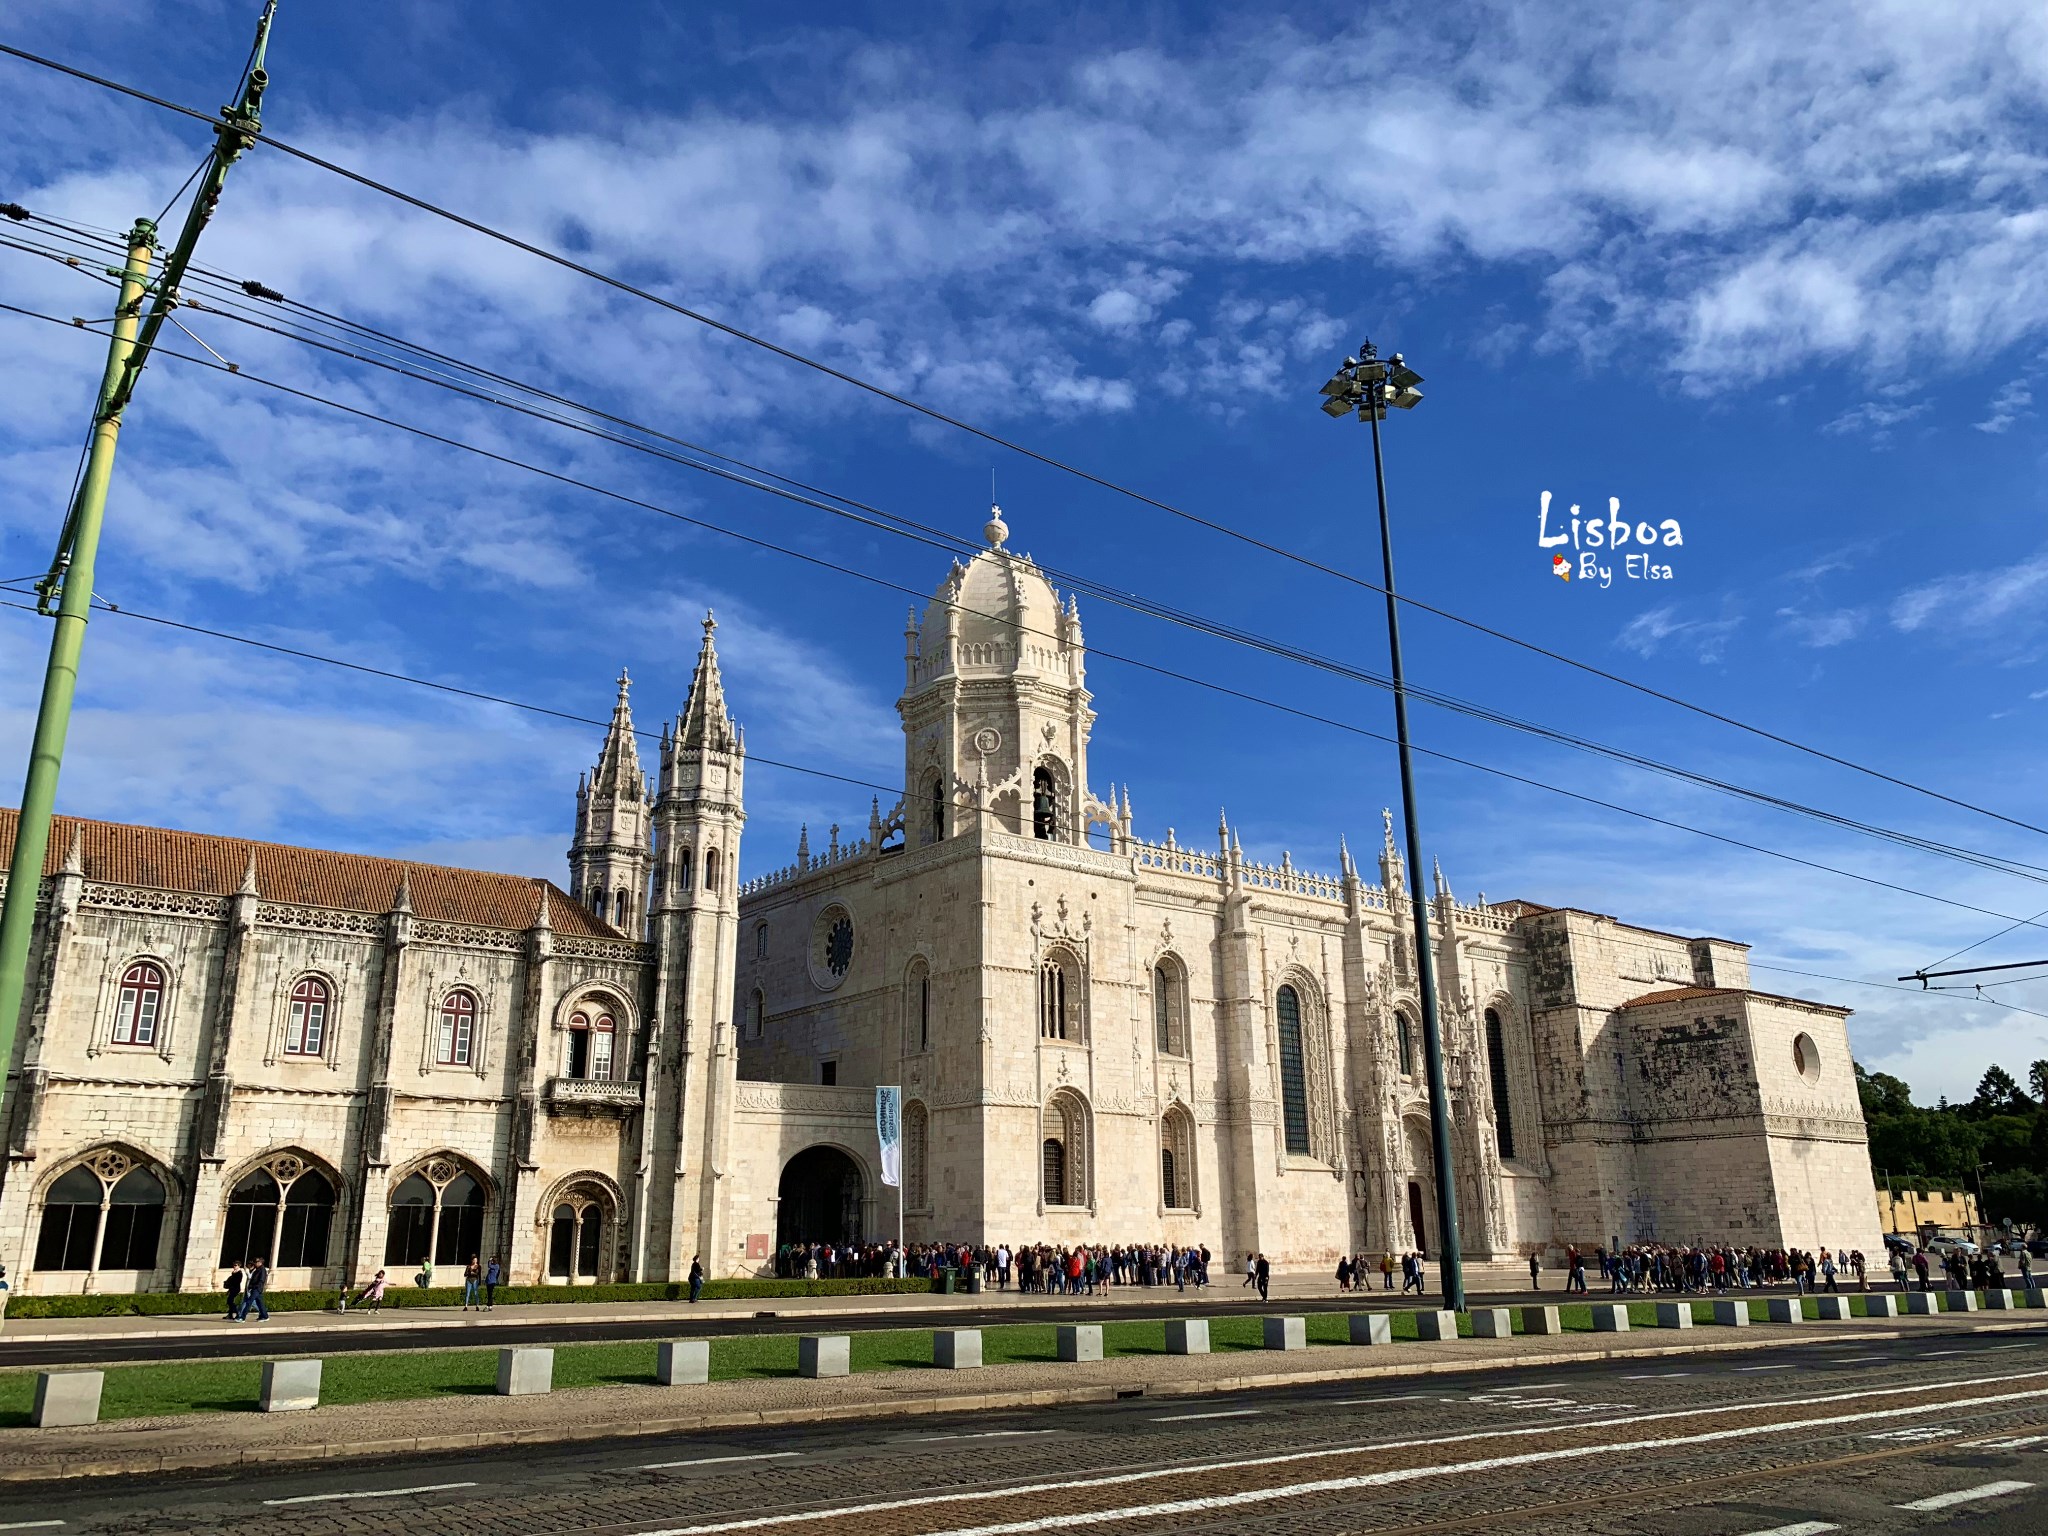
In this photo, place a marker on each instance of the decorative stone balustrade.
(579, 1095)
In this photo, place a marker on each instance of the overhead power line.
(227, 306)
(1096, 653)
(739, 333)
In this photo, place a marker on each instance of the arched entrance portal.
(820, 1198)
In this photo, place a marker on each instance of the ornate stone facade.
(350, 1063)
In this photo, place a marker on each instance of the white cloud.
(1650, 631)
(1974, 602)
(2010, 404)
(1874, 417)
(1824, 628)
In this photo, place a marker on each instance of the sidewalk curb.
(61, 1466)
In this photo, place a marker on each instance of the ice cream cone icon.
(1561, 567)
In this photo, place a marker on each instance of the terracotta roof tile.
(163, 859)
(1677, 995)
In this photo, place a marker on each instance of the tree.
(1998, 1094)
(2037, 1079)
(1883, 1094)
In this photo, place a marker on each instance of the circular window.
(832, 946)
(1806, 1058)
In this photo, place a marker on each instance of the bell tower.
(995, 704)
(699, 809)
(613, 851)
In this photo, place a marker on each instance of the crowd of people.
(1042, 1268)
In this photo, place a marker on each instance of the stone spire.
(248, 885)
(705, 723)
(618, 763)
(402, 902)
(74, 856)
(1392, 875)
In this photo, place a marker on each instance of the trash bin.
(974, 1281)
(947, 1277)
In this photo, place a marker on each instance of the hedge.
(198, 1303)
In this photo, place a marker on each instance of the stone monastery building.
(345, 1063)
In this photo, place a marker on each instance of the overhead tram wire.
(1891, 986)
(912, 592)
(1134, 662)
(738, 333)
(954, 544)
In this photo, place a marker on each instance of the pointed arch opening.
(1064, 1150)
(1177, 1160)
(105, 1212)
(1062, 1011)
(1170, 1006)
(916, 1156)
(438, 1211)
(1498, 1084)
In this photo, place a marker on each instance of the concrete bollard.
(1880, 1306)
(1187, 1335)
(1080, 1342)
(1674, 1314)
(1784, 1309)
(1492, 1323)
(1438, 1327)
(1371, 1328)
(1919, 1303)
(523, 1372)
(1999, 1301)
(290, 1386)
(1541, 1320)
(683, 1363)
(824, 1354)
(957, 1349)
(2032, 1297)
(1285, 1332)
(1731, 1314)
(1959, 1301)
(66, 1399)
(1832, 1309)
(1610, 1317)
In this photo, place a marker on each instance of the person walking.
(696, 1277)
(1263, 1273)
(1535, 1273)
(494, 1276)
(234, 1289)
(252, 1292)
(1343, 1272)
(1386, 1271)
(472, 1283)
(1251, 1271)
(2027, 1280)
(371, 1295)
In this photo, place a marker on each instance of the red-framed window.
(141, 1004)
(305, 1031)
(458, 1030)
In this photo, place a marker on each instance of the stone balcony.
(583, 1096)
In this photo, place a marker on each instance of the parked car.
(1947, 1245)
(1897, 1243)
(2038, 1247)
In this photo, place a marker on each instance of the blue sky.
(1777, 272)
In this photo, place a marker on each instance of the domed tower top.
(995, 694)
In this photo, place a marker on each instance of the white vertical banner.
(889, 1132)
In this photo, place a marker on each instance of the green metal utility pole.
(66, 592)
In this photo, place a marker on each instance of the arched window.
(71, 1221)
(438, 1211)
(1177, 1160)
(1497, 1080)
(1169, 1008)
(602, 1031)
(135, 1221)
(457, 1038)
(916, 1156)
(683, 868)
(619, 912)
(1059, 998)
(1045, 802)
(308, 1213)
(710, 869)
(757, 1007)
(104, 1214)
(252, 1219)
(935, 809)
(917, 1006)
(1404, 1039)
(576, 1235)
(924, 1012)
(579, 1045)
(760, 941)
(1293, 1074)
(1064, 1151)
(305, 1030)
(282, 1213)
(410, 1237)
(140, 1005)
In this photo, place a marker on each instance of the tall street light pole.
(66, 592)
(1366, 385)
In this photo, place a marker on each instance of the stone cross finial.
(1387, 816)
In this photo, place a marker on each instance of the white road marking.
(1766, 1367)
(1857, 1359)
(979, 1434)
(369, 1493)
(1405, 1397)
(1658, 1376)
(1927, 1433)
(1225, 1413)
(1936, 1354)
(713, 1461)
(1965, 1495)
(1803, 1528)
(2019, 1443)
(29, 1525)
(1336, 1485)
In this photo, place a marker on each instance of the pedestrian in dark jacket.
(234, 1289)
(696, 1278)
